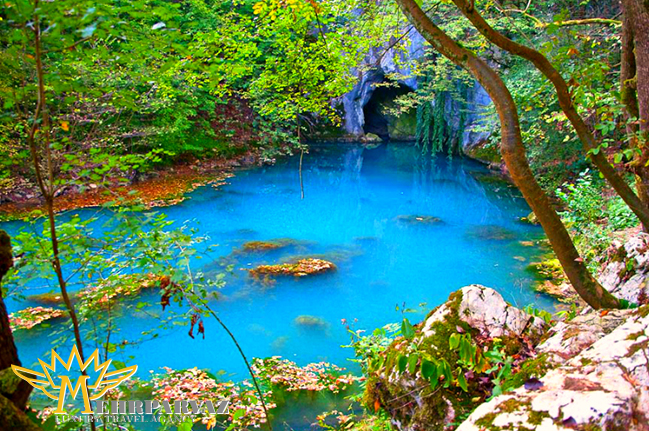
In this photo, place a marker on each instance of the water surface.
(357, 212)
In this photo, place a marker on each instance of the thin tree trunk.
(47, 187)
(628, 87)
(638, 205)
(47, 190)
(514, 156)
(299, 141)
(635, 86)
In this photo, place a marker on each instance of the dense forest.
(207, 189)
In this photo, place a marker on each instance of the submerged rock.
(418, 219)
(338, 254)
(279, 343)
(273, 244)
(300, 268)
(490, 233)
(308, 321)
(551, 280)
(49, 298)
(366, 239)
(99, 295)
(33, 316)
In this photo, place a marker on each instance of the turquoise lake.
(352, 214)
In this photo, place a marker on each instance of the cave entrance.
(381, 123)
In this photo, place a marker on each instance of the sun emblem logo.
(104, 382)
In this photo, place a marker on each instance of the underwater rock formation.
(551, 280)
(418, 219)
(272, 244)
(48, 298)
(308, 321)
(300, 268)
(490, 233)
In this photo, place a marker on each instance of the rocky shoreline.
(161, 187)
(586, 369)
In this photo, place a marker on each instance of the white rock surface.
(569, 338)
(486, 310)
(606, 387)
(615, 276)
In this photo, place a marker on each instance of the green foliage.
(198, 78)
(368, 348)
(570, 313)
(591, 216)
(135, 249)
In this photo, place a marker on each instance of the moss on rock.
(531, 219)
(33, 316)
(301, 268)
(273, 244)
(484, 152)
(416, 404)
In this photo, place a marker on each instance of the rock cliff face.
(378, 64)
(363, 104)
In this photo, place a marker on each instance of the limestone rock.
(627, 273)
(485, 309)
(569, 338)
(382, 63)
(408, 397)
(605, 387)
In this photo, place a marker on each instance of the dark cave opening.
(376, 119)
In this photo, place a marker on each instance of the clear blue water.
(353, 197)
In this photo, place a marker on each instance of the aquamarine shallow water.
(353, 197)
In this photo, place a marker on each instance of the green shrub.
(591, 216)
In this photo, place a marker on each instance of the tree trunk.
(514, 156)
(638, 205)
(635, 86)
(14, 395)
